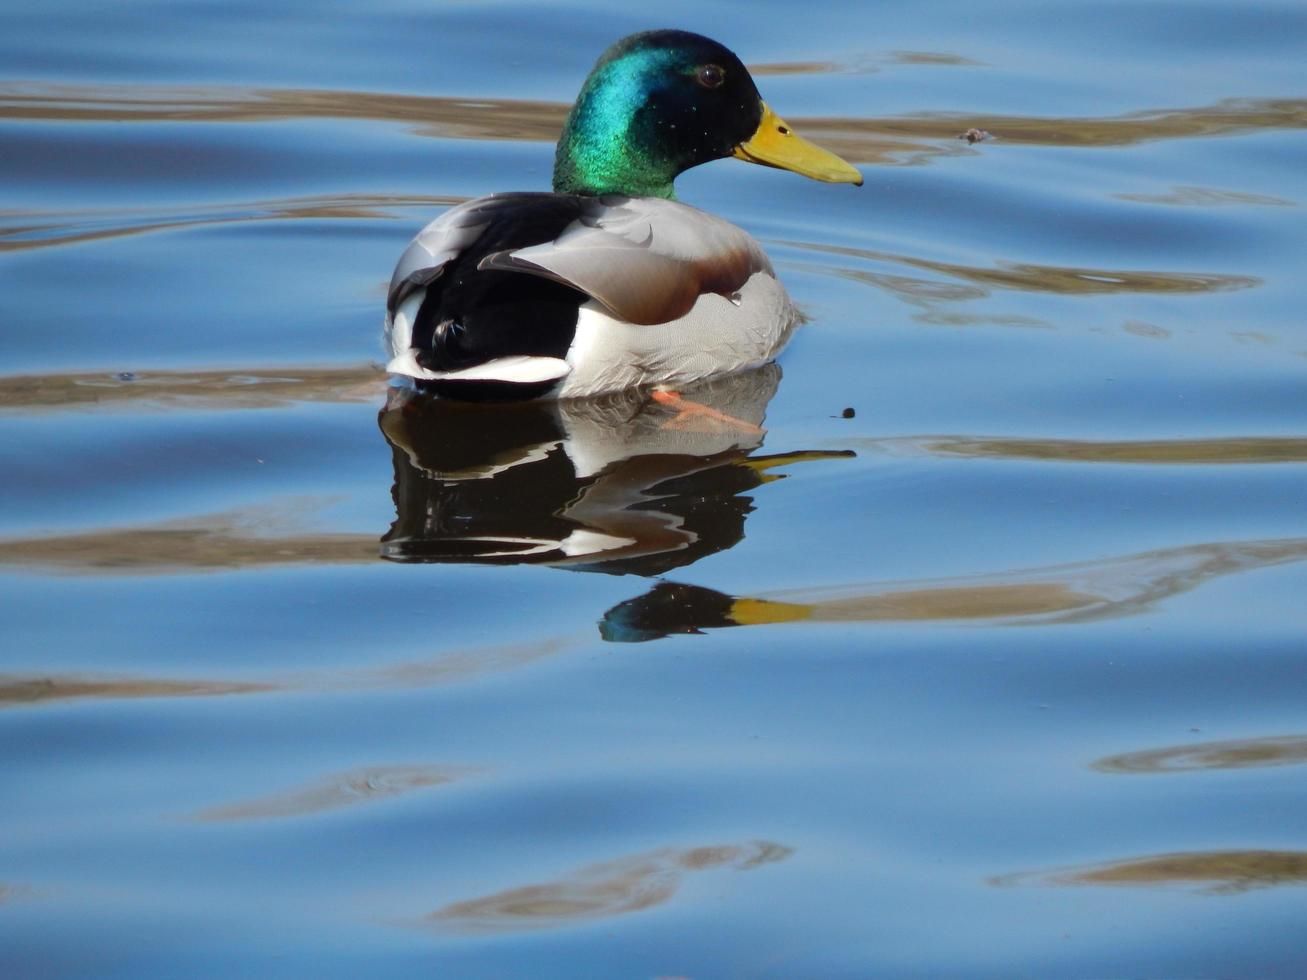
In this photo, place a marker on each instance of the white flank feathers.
(519, 369)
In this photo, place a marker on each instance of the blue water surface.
(984, 659)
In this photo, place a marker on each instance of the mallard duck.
(608, 282)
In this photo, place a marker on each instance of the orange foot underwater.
(689, 413)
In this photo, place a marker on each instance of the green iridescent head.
(661, 102)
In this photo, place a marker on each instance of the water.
(998, 674)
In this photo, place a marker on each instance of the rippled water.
(979, 652)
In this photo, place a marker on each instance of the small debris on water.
(974, 135)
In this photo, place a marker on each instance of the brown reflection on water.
(864, 65)
(1206, 197)
(914, 290)
(1247, 753)
(1222, 872)
(974, 319)
(27, 230)
(1071, 593)
(444, 667)
(863, 140)
(1159, 452)
(234, 539)
(847, 136)
(201, 390)
(1025, 277)
(451, 666)
(343, 789)
(1141, 329)
(600, 891)
(484, 119)
(933, 58)
(19, 691)
(800, 68)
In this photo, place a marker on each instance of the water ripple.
(1221, 872)
(1146, 452)
(1206, 197)
(600, 891)
(196, 390)
(1026, 277)
(334, 792)
(26, 230)
(20, 691)
(1246, 753)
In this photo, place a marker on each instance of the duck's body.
(607, 283)
(573, 296)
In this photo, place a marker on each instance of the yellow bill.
(775, 144)
(755, 612)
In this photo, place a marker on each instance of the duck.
(608, 282)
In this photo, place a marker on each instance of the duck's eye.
(710, 76)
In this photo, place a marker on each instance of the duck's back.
(520, 295)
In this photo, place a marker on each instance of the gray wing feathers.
(645, 259)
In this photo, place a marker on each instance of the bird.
(608, 282)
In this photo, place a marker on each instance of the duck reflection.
(1121, 586)
(624, 484)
